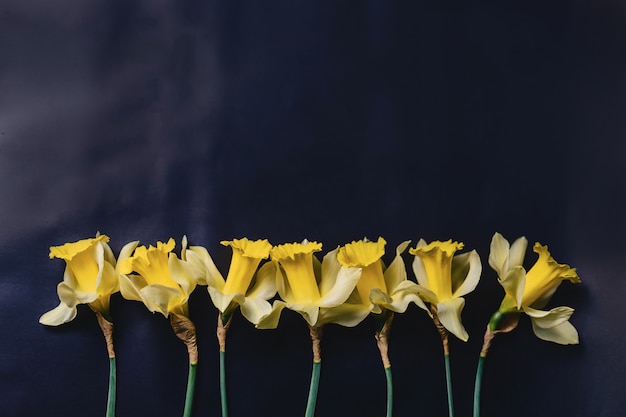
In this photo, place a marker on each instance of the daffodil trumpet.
(163, 282)
(443, 279)
(526, 292)
(91, 276)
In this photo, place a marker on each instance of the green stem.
(478, 384)
(389, 392)
(315, 380)
(446, 358)
(191, 385)
(112, 388)
(223, 383)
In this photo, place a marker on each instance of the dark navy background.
(327, 120)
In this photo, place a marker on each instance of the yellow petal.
(365, 255)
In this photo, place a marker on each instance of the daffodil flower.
(526, 292)
(163, 282)
(317, 291)
(529, 291)
(444, 278)
(90, 278)
(244, 287)
(380, 291)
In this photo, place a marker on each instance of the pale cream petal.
(201, 259)
(345, 283)
(270, 321)
(513, 283)
(59, 315)
(564, 334)
(181, 274)
(108, 253)
(129, 287)
(348, 315)
(254, 309)
(449, 313)
(517, 252)
(329, 271)
(499, 253)
(158, 298)
(222, 301)
(282, 285)
(126, 251)
(310, 312)
(407, 292)
(67, 294)
(552, 318)
(469, 264)
(426, 295)
(264, 283)
(379, 297)
(420, 272)
(396, 272)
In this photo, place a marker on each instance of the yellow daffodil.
(241, 286)
(379, 288)
(90, 278)
(444, 279)
(163, 282)
(316, 291)
(529, 291)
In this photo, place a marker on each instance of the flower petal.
(449, 314)
(254, 309)
(420, 272)
(396, 272)
(548, 319)
(348, 315)
(329, 271)
(310, 312)
(282, 285)
(426, 295)
(180, 272)
(222, 301)
(270, 321)
(202, 265)
(517, 252)
(407, 292)
(378, 298)
(126, 251)
(513, 282)
(345, 283)
(162, 299)
(130, 287)
(499, 253)
(59, 315)
(264, 284)
(564, 333)
(466, 270)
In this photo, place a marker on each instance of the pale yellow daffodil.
(379, 288)
(444, 278)
(529, 291)
(90, 278)
(315, 290)
(244, 286)
(162, 281)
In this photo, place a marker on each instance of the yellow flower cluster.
(349, 282)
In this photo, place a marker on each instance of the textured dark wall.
(328, 120)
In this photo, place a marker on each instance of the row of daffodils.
(348, 284)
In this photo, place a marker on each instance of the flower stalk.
(316, 339)
(186, 331)
(107, 330)
(382, 341)
(446, 357)
(222, 328)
